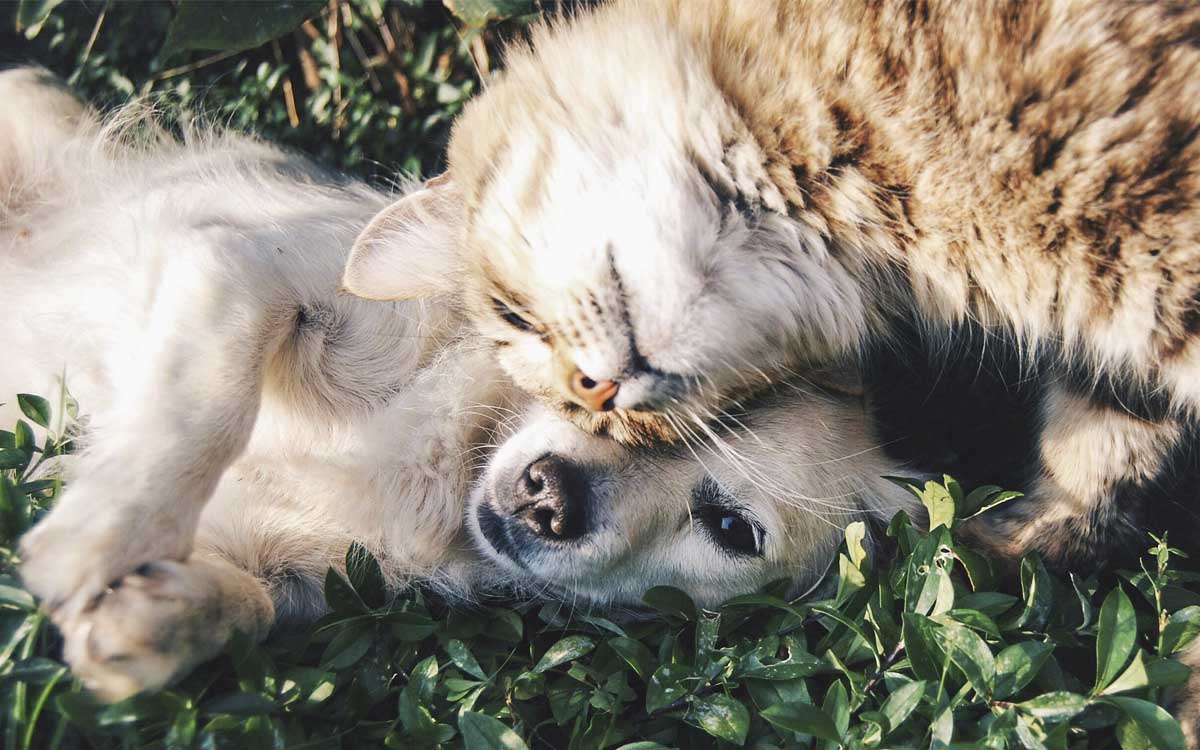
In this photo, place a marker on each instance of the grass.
(935, 649)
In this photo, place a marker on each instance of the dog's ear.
(411, 248)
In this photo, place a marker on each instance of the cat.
(665, 207)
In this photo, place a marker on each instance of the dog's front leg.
(188, 381)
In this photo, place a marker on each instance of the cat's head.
(616, 233)
(567, 514)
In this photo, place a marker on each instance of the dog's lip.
(495, 533)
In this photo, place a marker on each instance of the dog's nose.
(551, 498)
(596, 395)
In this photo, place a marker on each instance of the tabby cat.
(666, 206)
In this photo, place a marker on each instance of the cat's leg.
(1098, 466)
(188, 382)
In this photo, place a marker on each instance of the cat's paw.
(84, 545)
(147, 629)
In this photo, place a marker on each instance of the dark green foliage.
(912, 655)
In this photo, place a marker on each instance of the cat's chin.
(623, 425)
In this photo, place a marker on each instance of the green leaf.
(348, 646)
(1143, 672)
(636, 654)
(707, 626)
(1130, 736)
(991, 603)
(927, 573)
(856, 532)
(506, 625)
(941, 729)
(1116, 637)
(901, 703)
(14, 596)
(341, 596)
(849, 624)
(140, 707)
(667, 685)
(569, 648)
(416, 719)
(922, 644)
(23, 438)
(1085, 602)
(1018, 665)
(970, 654)
(36, 670)
(365, 575)
(1037, 591)
(238, 704)
(795, 663)
(939, 503)
(1181, 628)
(411, 626)
(35, 407)
(482, 732)
(1056, 706)
(973, 619)
(980, 570)
(985, 498)
(567, 699)
(722, 717)
(464, 659)
(32, 13)
(1155, 724)
(802, 718)
(670, 601)
(423, 678)
(218, 25)
(11, 458)
(477, 13)
(837, 706)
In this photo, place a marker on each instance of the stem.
(19, 690)
(37, 707)
(888, 661)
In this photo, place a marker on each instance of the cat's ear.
(843, 378)
(411, 248)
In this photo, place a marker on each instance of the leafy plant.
(926, 652)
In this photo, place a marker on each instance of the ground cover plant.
(929, 651)
(936, 647)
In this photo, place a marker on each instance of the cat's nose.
(596, 395)
(551, 497)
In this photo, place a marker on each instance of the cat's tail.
(38, 121)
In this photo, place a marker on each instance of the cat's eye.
(508, 315)
(727, 525)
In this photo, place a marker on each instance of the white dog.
(246, 421)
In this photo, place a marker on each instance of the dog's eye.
(725, 524)
(507, 314)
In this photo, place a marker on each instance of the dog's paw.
(147, 629)
(85, 545)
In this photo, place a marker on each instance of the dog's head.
(767, 497)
